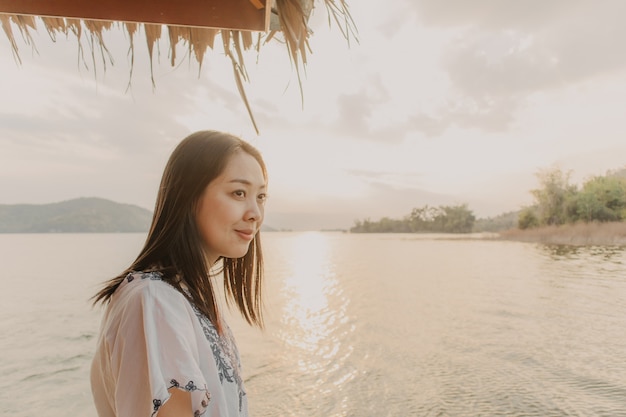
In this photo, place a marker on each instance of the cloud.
(373, 113)
(503, 52)
(70, 114)
(495, 14)
(386, 178)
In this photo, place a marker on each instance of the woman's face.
(230, 210)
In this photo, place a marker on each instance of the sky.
(438, 103)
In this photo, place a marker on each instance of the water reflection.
(606, 253)
(315, 323)
(314, 304)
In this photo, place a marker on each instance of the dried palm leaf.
(174, 33)
(77, 29)
(199, 40)
(289, 17)
(54, 25)
(95, 29)
(25, 24)
(338, 10)
(6, 26)
(131, 29)
(153, 34)
(292, 20)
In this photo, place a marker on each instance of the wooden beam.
(219, 14)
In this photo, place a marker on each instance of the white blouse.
(153, 339)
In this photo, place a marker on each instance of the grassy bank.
(572, 234)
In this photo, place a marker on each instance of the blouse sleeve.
(155, 349)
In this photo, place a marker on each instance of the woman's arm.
(178, 405)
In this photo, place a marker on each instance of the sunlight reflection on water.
(313, 319)
(307, 288)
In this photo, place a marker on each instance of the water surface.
(357, 325)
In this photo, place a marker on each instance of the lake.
(356, 325)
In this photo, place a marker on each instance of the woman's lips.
(247, 234)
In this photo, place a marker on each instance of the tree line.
(426, 219)
(558, 202)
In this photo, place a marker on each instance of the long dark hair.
(174, 246)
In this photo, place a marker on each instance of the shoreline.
(579, 234)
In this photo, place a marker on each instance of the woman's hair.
(174, 246)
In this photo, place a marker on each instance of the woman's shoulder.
(140, 279)
(147, 285)
(144, 276)
(145, 297)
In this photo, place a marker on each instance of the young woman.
(164, 348)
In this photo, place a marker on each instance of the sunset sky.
(440, 102)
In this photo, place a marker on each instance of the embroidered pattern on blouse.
(225, 354)
(189, 387)
(224, 351)
(153, 275)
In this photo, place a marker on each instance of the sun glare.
(309, 312)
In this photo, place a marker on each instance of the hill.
(81, 215)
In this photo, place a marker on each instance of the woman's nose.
(255, 212)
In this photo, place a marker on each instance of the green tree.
(527, 218)
(555, 197)
(504, 221)
(456, 219)
(422, 219)
(602, 199)
(361, 226)
(442, 219)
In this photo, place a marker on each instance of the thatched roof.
(267, 20)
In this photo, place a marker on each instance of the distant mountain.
(81, 215)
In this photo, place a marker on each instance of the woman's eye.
(262, 197)
(239, 193)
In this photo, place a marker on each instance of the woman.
(164, 348)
